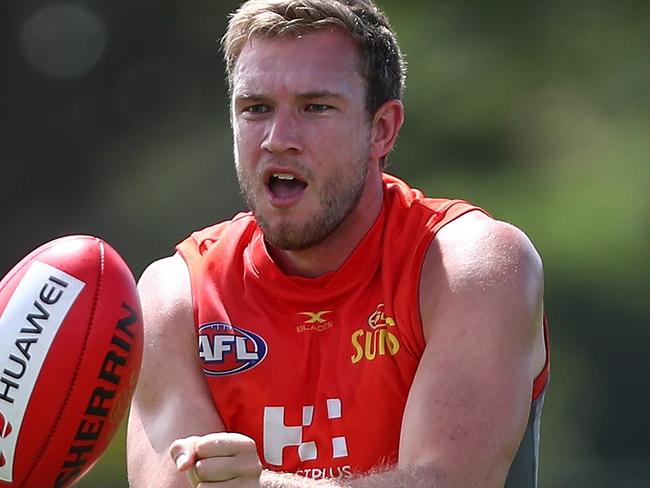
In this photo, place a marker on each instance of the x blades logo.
(315, 317)
(315, 322)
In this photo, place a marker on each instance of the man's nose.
(284, 132)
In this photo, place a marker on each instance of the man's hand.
(222, 456)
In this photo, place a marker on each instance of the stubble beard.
(338, 197)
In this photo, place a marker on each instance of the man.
(347, 331)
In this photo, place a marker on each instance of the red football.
(70, 352)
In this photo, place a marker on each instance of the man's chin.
(287, 241)
(292, 238)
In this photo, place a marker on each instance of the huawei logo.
(5, 430)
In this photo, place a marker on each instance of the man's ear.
(385, 127)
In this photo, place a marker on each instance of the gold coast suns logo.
(378, 341)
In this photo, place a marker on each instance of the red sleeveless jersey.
(316, 370)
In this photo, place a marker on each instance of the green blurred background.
(114, 123)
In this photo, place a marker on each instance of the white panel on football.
(28, 326)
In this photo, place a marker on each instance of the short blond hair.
(381, 64)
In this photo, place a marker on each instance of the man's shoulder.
(162, 270)
(476, 252)
(409, 205)
(205, 237)
(164, 288)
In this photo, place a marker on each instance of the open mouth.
(285, 186)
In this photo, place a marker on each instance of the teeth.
(283, 176)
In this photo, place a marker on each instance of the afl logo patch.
(225, 349)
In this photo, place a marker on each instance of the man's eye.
(318, 107)
(257, 109)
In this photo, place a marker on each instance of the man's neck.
(331, 253)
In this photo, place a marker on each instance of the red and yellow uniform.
(317, 370)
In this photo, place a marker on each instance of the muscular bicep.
(172, 399)
(481, 308)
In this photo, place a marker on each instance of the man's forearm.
(406, 477)
(271, 479)
(409, 477)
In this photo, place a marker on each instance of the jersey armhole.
(444, 216)
(189, 251)
(540, 382)
(434, 225)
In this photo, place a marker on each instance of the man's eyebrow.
(320, 94)
(256, 97)
(250, 97)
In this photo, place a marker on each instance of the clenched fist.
(225, 457)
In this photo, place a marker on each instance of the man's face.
(301, 134)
